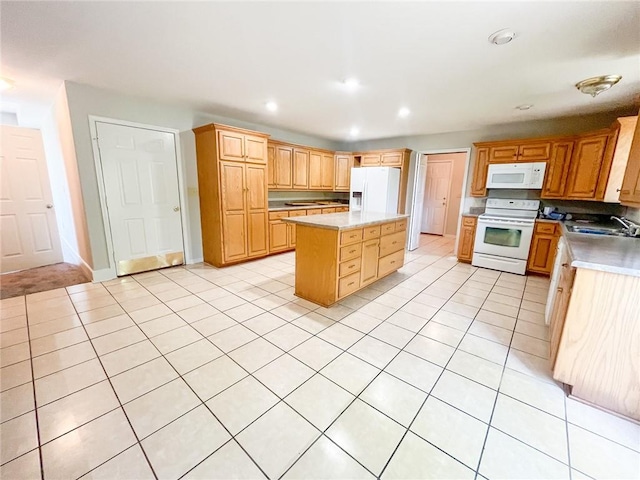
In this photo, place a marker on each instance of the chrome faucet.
(632, 229)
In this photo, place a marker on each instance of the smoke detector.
(595, 85)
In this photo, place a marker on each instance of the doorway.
(139, 178)
(444, 186)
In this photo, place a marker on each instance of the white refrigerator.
(374, 189)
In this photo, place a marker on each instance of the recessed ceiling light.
(354, 131)
(502, 37)
(271, 106)
(351, 83)
(595, 85)
(404, 112)
(524, 106)
(6, 84)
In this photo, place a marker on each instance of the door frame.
(110, 273)
(446, 210)
(465, 179)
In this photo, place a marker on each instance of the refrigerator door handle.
(364, 195)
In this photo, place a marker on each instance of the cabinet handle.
(350, 283)
(560, 289)
(565, 265)
(351, 266)
(352, 251)
(393, 243)
(392, 262)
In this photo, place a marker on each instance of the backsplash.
(583, 207)
(307, 195)
(633, 214)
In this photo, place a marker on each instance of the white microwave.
(516, 175)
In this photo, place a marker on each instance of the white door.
(436, 197)
(141, 185)
(417, 202)
(28, 230)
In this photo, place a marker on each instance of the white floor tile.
(394, 398)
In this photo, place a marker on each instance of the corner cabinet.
(630, 190)
(232, 181)
(467, 238)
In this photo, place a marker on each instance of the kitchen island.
(338, 254)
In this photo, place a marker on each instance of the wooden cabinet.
(503, 154)
(300, 169)
(555, 180)
(542, 253)
(560, 305)
(391, 159)
(630, 189)
(467, 238)
(343, 165)
(370, 160)
(515, 153)
(271, 166)
(321, 171)
(397, 158)
(480, 166)
(279, 166)
(585, 172)
(278, 236)
(232, 179)
(332, 264)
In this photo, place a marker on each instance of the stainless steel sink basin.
(616, 232)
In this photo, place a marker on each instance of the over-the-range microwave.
(516, 175)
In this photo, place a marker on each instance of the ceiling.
(231, 58)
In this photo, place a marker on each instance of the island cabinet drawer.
(297, 213)
(371, 232)
(278, 215)
(390, 263)
(548, 228)
(348, 284)
(401, 225)
(350, 266)
(392, 243)
(387, 228)
(351, 236)
(314, 211)
(350, 251)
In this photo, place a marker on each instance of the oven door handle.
(504, 223)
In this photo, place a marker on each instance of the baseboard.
(103, 275)
(71, 256)
(450, 235)
(191, 261)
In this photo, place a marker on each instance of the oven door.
(504, 238)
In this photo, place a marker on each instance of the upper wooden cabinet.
(514, 153)
(391, 159)
(300, 169)
(586, 172)
(232, 180)
(321, 171)
(480, 166)
(630, 189)
(343, 163)
(555, 181)
(370, 159)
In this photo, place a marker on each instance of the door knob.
(49, 205)
(176, 209)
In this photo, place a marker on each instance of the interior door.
(141, 185)
(417, 202)
(436, 197)
(28, 230)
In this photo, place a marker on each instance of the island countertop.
(346, 220)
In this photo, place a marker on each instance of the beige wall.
(458, 162)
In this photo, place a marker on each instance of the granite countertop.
(278, 205)
(346, 220)
(469, 214)
(619, 255)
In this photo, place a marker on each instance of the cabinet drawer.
(351, 236)
(348, 284)
(401, 225)
(314, 211)
(278, 215)
(350, 251)
(387, 228)
(350, 266)
(469, 221)
(390, 263)
(392, 243)
(297, 213)
(329, 210)
(371, 232)
(342, 209)
(548, 228)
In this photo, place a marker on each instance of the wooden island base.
(333, 262)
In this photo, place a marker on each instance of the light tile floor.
(438, 371)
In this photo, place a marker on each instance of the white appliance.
(374, 189)
(516, 175)
(415, 194)
(503, 235)
(555, 279)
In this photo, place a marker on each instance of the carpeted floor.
(40, 279)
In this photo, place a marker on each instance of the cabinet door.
(560, 307)
(586, 165)
(271, 166)
(255, 149)
(534, 152)
(230, 146)
(370, 160)
(278, 236)
(467, 238)
(555, 180)
(479, 182)
(542, 253)
(369, 265)
(327, 171)
(292, 235)
(343, 172)
(630, 190)
(233, 203)
(284, 163)
(391, 159)
(503, 154)
(315, 171)
(257, 214)
(300, 169)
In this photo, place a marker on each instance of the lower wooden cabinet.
(560, 305)
(369, 264)
(467, 238)
(542, 253)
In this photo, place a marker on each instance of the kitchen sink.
(616, 232)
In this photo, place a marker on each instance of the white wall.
(84, 100)
(65, 183)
